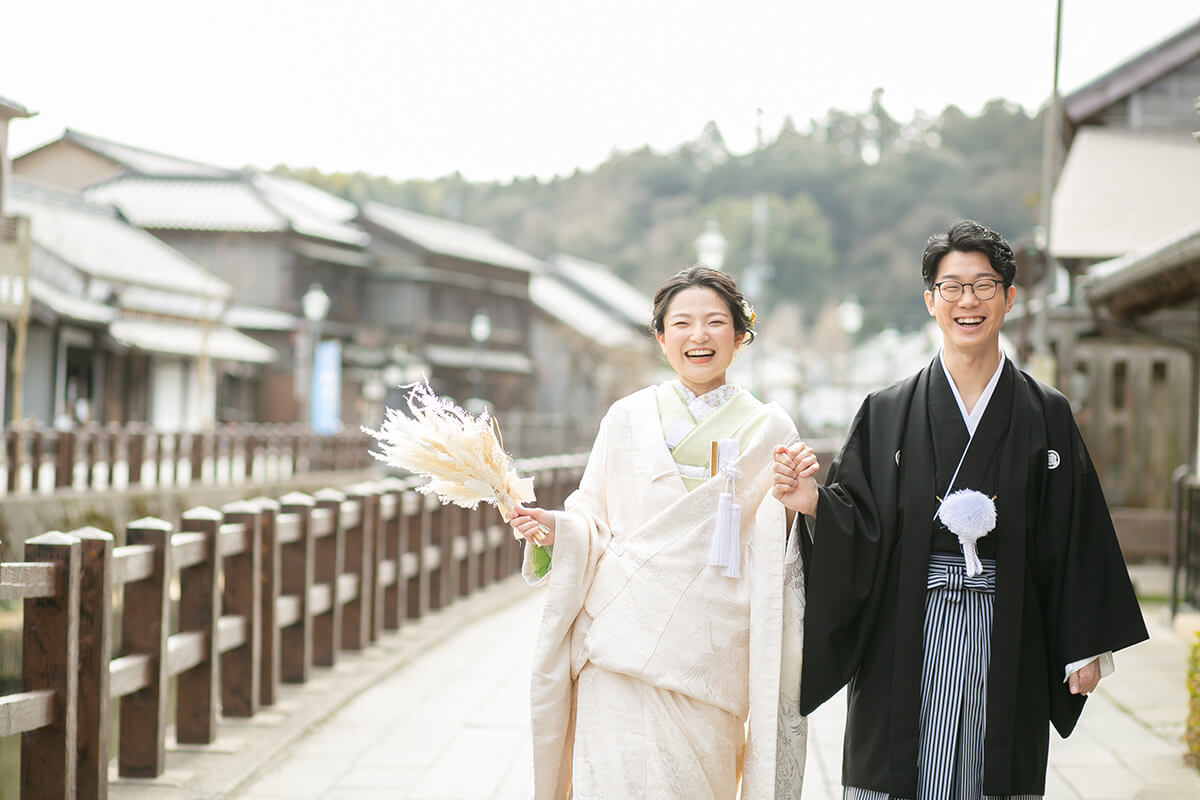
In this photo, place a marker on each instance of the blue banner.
(326, 387)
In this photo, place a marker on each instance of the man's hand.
(1085, 679)
(795, 483)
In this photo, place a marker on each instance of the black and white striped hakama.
(958, 629)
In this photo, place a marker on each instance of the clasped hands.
(795, 486)
(795, 482)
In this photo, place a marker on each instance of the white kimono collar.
(703, 406)
(971, 419)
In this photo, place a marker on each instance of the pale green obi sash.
(739, 417)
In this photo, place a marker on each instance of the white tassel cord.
(726, 550)
(463, 456)
(969, 515)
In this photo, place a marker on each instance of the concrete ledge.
(245, 747)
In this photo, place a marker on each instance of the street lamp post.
(315, 305)
(481, 332)
(710, 245)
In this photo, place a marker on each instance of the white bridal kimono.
(649, 661)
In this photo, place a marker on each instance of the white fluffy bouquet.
(463, 456)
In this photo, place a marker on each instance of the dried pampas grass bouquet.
(462, 455)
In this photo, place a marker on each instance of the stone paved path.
(453, 725)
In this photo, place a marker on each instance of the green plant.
(1191, 734)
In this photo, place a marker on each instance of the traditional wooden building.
(590, 343)
(120, 327)
(14, 259)
(1130, 188)
(455, 298)
(269, 237)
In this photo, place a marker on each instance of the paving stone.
(452, 723)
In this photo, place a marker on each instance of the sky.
(497, 89)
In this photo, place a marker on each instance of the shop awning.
(1121, 191)
(469, 358)
(70, 306)
(194, 339)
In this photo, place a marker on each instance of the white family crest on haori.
(462, 455)
(970, 515)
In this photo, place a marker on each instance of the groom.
(953, 676)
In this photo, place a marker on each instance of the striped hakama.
(958, 629)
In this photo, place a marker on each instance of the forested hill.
(851, 202)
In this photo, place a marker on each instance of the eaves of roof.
(140, 161)
(1132, 74)
(448, 238)
(1163, 275)
(13, 110)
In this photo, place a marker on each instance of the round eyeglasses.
(983, 289)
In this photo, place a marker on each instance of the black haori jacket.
(1062, 589)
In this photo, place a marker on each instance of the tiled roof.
(441, 355)
(157, 190)
(256, 318)
(1124, 190)
(217, 341)
(444, 237)
(194, 205)
(598, 281)
(1132, 74)
(253, 203)
(69, 305)
(95, 240)
(311, 211)
(146, 162)
(170, 303)
(568, 305)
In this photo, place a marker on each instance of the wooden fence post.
(144, 629)
(64, 460)
(298, 575)
(240, 667)
(431, 555)
(197, 690)
(357, 613)
(331, 560)
(390, 547)
(6, 459)
(95, 653)
(118, 456)
(51, 661)
(270, 675)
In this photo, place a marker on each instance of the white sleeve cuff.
(1107, 665)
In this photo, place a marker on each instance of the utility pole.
(759, 272)
(1043, 363)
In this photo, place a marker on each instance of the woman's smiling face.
(698, 338)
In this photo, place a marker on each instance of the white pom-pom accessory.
(970, 515)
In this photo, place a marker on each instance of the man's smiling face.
(969, 325)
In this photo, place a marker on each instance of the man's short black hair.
(968, 236)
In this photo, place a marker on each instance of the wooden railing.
(267, 590)
(1185, 545)
(40, 460)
